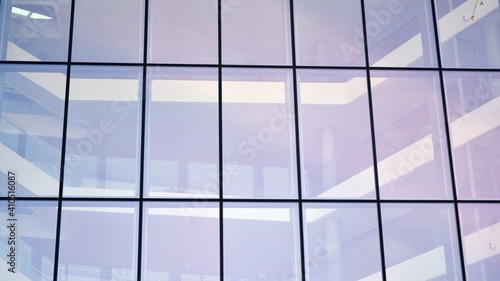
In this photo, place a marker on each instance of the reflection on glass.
(182, 132)
(32, 109)
(98, 241)
(335, 135)
(469, 33)
(181, 241)
(33, 241)
(329, 32)
(342, 242)
(259, 138)
(261, 241)
(183, 31)
(34, 30)
(480, 227)
(102, 144)
(420, 240)
(410, 135)
(473, 103)
(108, 31)
(400, 33)
(256, 32)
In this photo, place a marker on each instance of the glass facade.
(238, 140)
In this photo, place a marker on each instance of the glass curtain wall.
(238, 140)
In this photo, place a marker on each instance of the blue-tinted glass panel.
(469, 33)
(480, 224)
(108, 31)
(420, 240)
(261, 241)
(28, 233)
(182, 132)
(341, 242)
(328, 32)
(335, 135)
(400, 33)
(412, 153)
(34, 30)
(181, 241)
(473, 103)
(256, 32)
(103, 135)
(258, 131)
(32, 109)
(183, 31)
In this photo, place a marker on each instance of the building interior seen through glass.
(249, 140)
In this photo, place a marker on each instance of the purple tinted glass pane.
(412, 154)
(258, 131)
(473, 102)
(335, 135)
(261, 241)
(329, 32)
(189, 233)
(342, 242)
(182, 132)
(420, 240)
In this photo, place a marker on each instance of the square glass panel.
(335, 133)
(256, 32)
(31, 126)
(33, 30)
(261, 241)
(182, 132)
(469, 33)
(108, 31)
(473, 103)
(400, 33)
(480, 224)
(98, 241)
(420, 240)
(181, 240)
(183, 31)
(258, 134)
(328, 32)
(341, 241)
(103, 139)
(28, 234)
(412, 154)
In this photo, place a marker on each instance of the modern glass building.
(249, 140)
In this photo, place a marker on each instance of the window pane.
(181, 241)
(28, 241)
(400, 33)
(411, 141)
(473, 103)
(34, 30)
(341, 242)
(258, 127)
(329, 32)
(183, 126)
(469, 33)
(32, 108)
(98, 241)
(255, 32)
(108, 31)
(183, 31)
(261, 241)
(102, 145)
(336, 136)
(420, 240)
(480, 224)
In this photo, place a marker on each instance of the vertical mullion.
(374, 147)
(63, 142)
(220, 136)
(448, 140)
